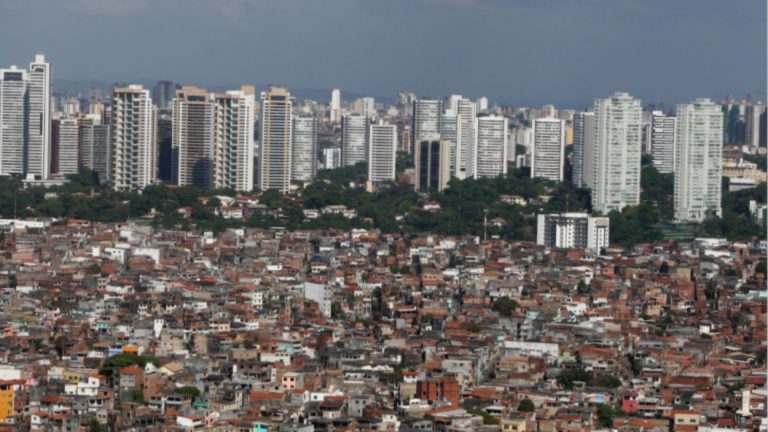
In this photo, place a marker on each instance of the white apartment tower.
(354, 138)
(489, 158)
(234, 113)
(276, 139)
(69, 137)
(698, 165)
(305, 129)
(583, 148)
(13, 120)
(663, 142)
(382, 152)
(616, 169)
(547, 157)
(467, 112)
(134, 149)
(335, 112)
(39, 118)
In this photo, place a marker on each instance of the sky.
(515, 52)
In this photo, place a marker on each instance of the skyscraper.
(382, 152)
(583, 146)
(467, 112)
(449, 132)
(752, 113)
(698, 163)
(193, 130)
(163, 94)
(433, 165)
(548, 155)
(335, 114)
(68, 147)
(167, 154)
(663, 142)
(354, 138)
(489, 158)
(134, 150)
(305, 129)
(95, 148)
(616, 169)
(39, 117)
(331, 158)
(234, 113)
(427, 117)
(13, 120)
(276, 139)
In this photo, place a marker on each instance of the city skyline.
(568, 64)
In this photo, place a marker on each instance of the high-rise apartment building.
(234, 113)
(489, 156)
(663, 142)
(449, 132)
(331, 158)
(616, 169)
(39, 118)
(13, 120)
(698, 163)
(466, 110)
(354, 138)
(573, 230)
(163, 95)
(433, 165)
(134, 150)
(548, 155)
(276, 140)
(95, 148)
(752, 113)
(427, 117)
(193, 130)
(382, 152)
(305, 130)
(335, 112)
(583, 148)
(68, 159)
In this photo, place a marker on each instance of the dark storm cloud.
(514, 51)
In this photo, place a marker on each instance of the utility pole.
(485, 224)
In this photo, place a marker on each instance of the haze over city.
(515, 52)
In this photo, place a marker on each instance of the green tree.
(190, 391)
(567, 377)
(606, 414)
(504, 306)
(526, 405)
(605, 380)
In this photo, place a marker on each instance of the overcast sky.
(514, 51)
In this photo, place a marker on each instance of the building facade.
(193, 130)
(616, 169)
(382, 152)
(663, 142)
(583, 148)
(488, 158)
(276, 139)
(354, 139)
(548, 154)
(573, 230)
(433, 165)
(134, 152)
(305, 129)
(698, 186)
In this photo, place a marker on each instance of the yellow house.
(6, 400)
(513, 424)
